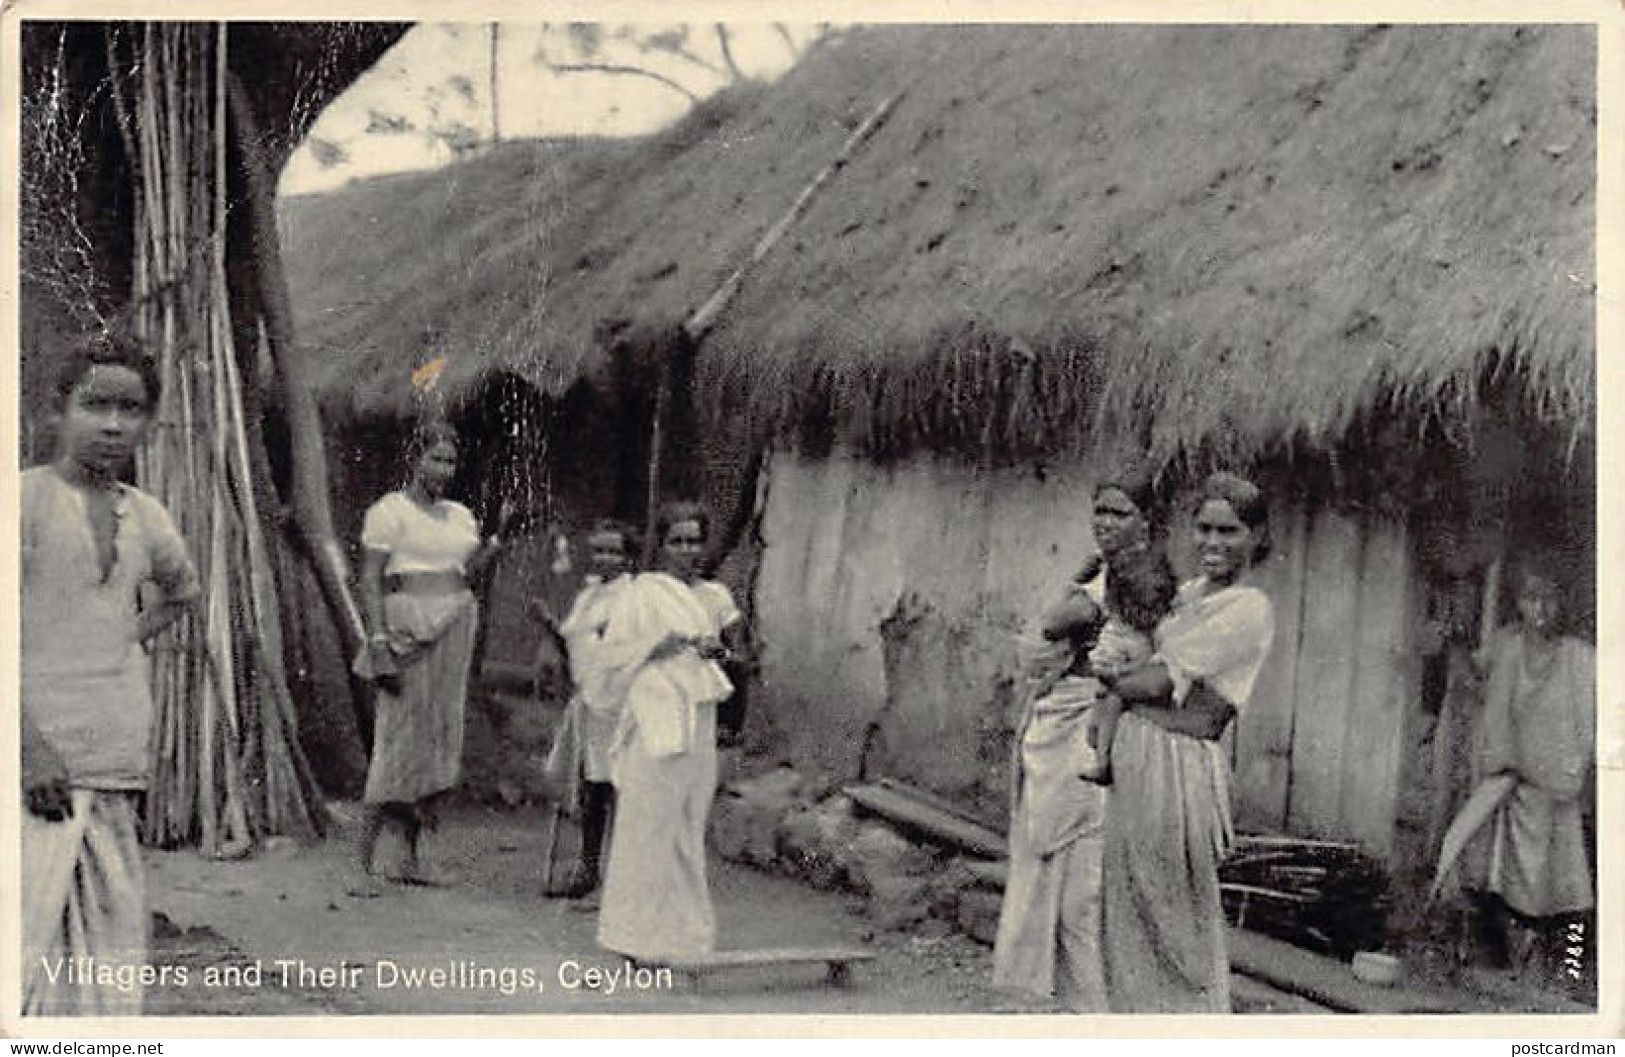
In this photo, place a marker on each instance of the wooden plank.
(505, 677)
(1263, 756)
(988, 874)
(932, 822)
(1325, 679)
(1386, 684)
(1328, 982)
(745, 959)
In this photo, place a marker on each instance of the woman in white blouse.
(419, 551)
(1168, 815)
(664, 636)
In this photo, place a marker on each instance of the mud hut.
(1357, 260)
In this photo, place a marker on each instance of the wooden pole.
(700, 323)
(651, 506)
(496, 117)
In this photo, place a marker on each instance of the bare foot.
(428, 877)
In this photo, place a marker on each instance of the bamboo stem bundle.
(227, 766)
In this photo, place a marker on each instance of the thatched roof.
(1202, 237)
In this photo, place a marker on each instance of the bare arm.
(372, 588)
(493, 544)
(537, 609)
(1204, 714)
(384, 667)
(1148, 693)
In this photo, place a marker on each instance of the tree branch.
(620, 70)
(675, 44)
(789, 41)
(728, 53)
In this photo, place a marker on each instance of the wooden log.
(932, 822)
(925, 796)
(1330, 983)
(507, 678)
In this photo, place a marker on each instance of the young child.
(90, 544)
(578, 765)
(1140, 589)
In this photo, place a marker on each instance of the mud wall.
(887, 603)
(888, 599)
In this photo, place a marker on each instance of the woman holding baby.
(1048, 943)
(1112, 902)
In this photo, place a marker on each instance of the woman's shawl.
(583, 630)
(1220, 637)
(661, 695)
(1540, 725)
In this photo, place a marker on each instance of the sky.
(439, 76)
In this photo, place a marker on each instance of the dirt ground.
(289, 904)
(279, 935)
(268, 926)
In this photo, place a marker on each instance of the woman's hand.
(158, 616)
(670, 646)
(386, 673)
(45, 777)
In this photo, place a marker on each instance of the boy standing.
(90, 543)
(578, 766)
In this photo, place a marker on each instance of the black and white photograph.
(1060, 519)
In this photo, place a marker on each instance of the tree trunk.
(307, 492)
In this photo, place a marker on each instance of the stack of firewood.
(228, 768)
(1324, 896)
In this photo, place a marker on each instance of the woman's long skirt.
(1533, 855)
(417, 743)
(1167, 829)
(1049, 935)
(657, 903)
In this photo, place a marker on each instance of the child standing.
(578, 765)
(90, 543)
